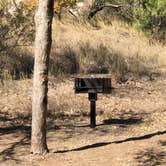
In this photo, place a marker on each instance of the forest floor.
(131, 125)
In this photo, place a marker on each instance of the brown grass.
(79, 47)
(127, 48)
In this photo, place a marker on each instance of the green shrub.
(146, 15)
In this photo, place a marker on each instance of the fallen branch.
(72, 13)
(96, 9)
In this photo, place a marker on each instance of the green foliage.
(150, 16)
(146, 15)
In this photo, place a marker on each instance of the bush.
(146, 15)
(150, 16)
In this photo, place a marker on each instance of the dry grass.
(126, 47)
(16, 64)
(79, 47)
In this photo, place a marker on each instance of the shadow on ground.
(9, 153)
(151, 157)
(15, 134)
(100, 144)
(18, 126)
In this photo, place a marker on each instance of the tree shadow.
(123, 119)
(129, 121)
(62, 116)
(115, 121)
(71, 125)
(100, 144)
(9, 153)
(19, 126)
(18, 122)
(13, 129)
(151, 157)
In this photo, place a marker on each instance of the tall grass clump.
(17, 65)
(63, 62)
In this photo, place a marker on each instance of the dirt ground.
(130, 131)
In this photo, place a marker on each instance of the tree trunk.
(43, 40)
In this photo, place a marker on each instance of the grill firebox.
(93, 85)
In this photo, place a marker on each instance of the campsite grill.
(93, 85)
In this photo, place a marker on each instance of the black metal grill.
(93, 85)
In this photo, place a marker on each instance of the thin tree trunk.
(43, 20)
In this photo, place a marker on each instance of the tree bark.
(43, 40)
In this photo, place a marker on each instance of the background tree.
(99, 5)
(146, 15)
(60, 4)
(43, 38)
(16, 33)
(150, 16)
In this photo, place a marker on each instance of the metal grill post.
(92, 99)
(92, 85)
